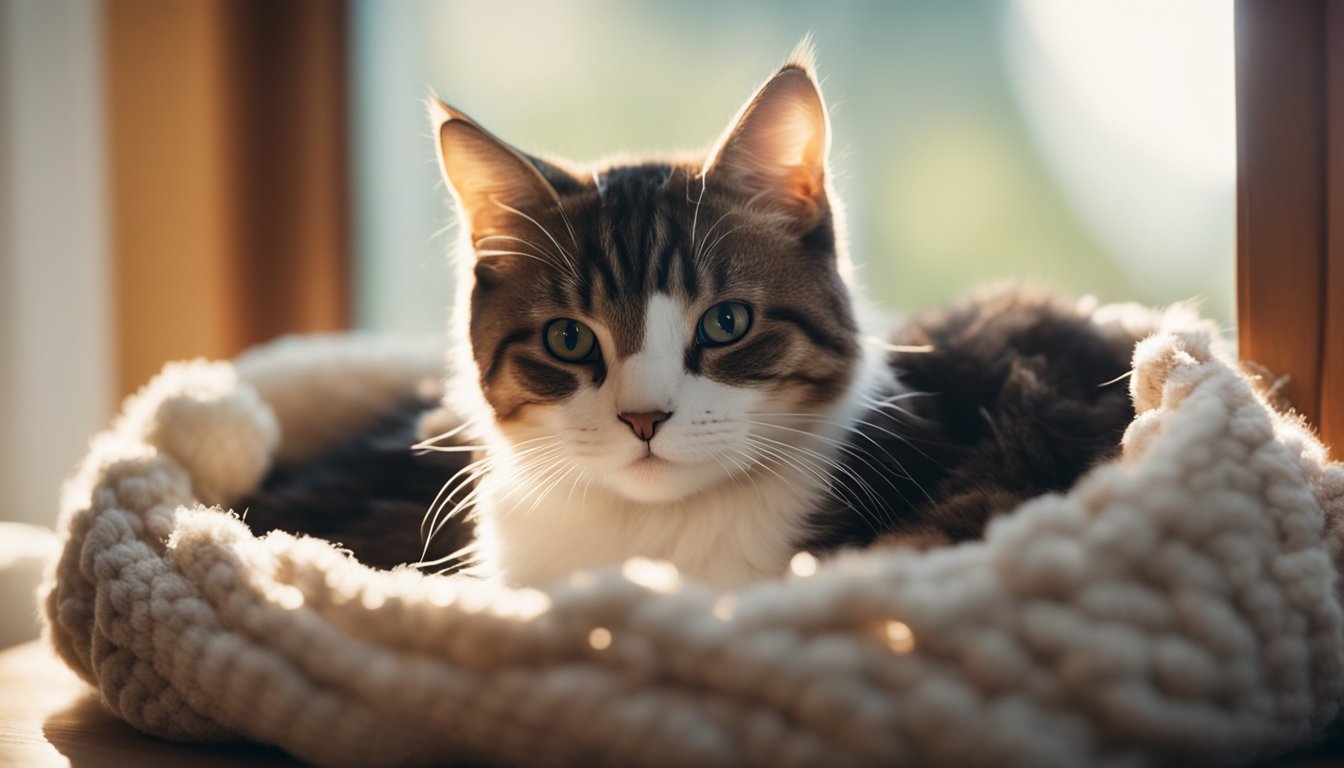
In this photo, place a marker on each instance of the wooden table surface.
(49, 717)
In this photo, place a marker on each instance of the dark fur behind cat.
(368, 494)
(1018, 394)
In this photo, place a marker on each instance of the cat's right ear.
(494, 184)
(774, 152)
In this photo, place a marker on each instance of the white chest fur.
(728, 536)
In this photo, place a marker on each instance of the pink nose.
(644, 424)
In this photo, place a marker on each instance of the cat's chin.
(653, 479)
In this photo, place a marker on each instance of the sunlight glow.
(1131, 104)
(900, 638)
(475, 599)
(599, 639)
(289, 598)
(803, 564)
(1157, 73)
(724, 608)
(522, 604)
(656, 575)
(442, 595)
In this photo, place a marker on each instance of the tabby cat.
(668, 359)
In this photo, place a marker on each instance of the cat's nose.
(644, 424)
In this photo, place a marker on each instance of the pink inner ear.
(776, 149)
(788, 125)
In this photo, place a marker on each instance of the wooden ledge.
(49, 717)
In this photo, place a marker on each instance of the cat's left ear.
(774, 151)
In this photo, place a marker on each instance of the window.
(1089, 145)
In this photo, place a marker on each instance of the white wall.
(55, 294)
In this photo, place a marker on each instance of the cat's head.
(640, 322)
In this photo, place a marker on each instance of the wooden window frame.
(229, 175)
(1290, 200)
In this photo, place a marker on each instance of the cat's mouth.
(649, 461)
(652, 478)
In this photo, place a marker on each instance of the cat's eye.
(570, 340)
(723, 323)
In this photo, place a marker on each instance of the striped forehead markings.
(641, 231)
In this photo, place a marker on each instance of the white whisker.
(822, 477)
(844, 447)
(429, 441)
(472, 472)
(831, 464)
(568, 258)
(699, 248)
(708, 252)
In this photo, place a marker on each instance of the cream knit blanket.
(1180, 602)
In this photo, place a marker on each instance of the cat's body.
(665, 359)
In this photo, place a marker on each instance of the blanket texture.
(1179, 603)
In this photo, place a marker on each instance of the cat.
(669, 359)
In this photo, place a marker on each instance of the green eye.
(723, 324)
(570, 340)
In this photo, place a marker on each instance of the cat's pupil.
(570, 336)
(726, 318)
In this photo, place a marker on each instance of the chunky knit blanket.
(1179, 603)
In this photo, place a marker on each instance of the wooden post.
(1290, 200)
(228, 157)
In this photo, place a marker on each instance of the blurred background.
(189, 177)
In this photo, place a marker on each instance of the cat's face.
(659, 327)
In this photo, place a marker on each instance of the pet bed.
(1181, 602)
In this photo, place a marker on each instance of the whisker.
(853, 426)
(468, 549)
(565, 218)
(837, 493)
(892, 408)
(435, 524)
(905, 396)
(747, 457)
(699, 248)
(827, 461)
(473, 472)
(908, 348)
(463, 566)
(441, 231)
(751, 477)
(710, 250)
(537, 252)
(450, 433)
(695, 215)
(473, 497)
(583, 477)
(534, 257)
(423, 449)
(816, 465)
(552, 478)
(850, 450)
(1117, 379)
(568, 258)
